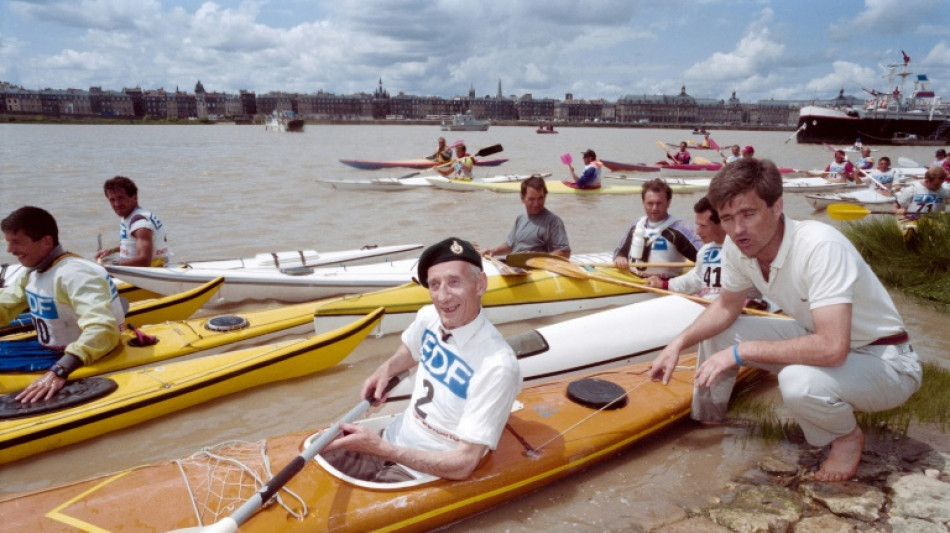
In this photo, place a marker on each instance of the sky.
(783, 49)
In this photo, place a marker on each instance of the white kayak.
(622, 335)
(867, 197)
(287, 276)
(414, 181)
(285, 285)
(800, 185)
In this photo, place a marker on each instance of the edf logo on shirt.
(444, 365)
(42, 306)
(712, 256)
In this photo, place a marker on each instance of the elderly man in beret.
(466, 380)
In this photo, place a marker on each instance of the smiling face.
(27, 251)
(121, 202)
(753, 226)
(456, 289)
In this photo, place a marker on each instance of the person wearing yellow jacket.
(73, 302)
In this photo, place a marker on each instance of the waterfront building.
(158, 104)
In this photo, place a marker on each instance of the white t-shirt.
(704, 279)
(140, 218)
(817, 266)
(917, 199)
(70, 291)
(464, 386)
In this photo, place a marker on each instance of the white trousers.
(821, 398)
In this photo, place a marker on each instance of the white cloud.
(939, 56)
(845, 75)
(754, 54)
(894, 16)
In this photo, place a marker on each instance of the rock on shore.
(902, 485)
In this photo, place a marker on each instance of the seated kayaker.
(142, 240)
(467, 378)
(461, 166)
(929, 195)
(442, 154)
(841, 170)
(73, 302)
(658, 236)
(537, 229)
(681, 157)
(882, 177)
(735, 155)
(590, 177)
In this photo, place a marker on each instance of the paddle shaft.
(577, 271)
(488, 150)
(494, 149)
(668, 264)
(231, 523)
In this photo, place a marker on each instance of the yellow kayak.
(145, 394)
(162, 309)
(537, 293)
(181, 338)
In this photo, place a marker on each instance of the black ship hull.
(871, 130)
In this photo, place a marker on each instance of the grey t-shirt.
(543, 232)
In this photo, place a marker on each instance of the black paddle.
(488, 150)
(230, 524)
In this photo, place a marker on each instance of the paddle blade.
(564, 268)
(847, 211)
(702, 161)
(907, 162)
(489, 150)
(567, 159)
(520, 259)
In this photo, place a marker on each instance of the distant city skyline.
(605, 50)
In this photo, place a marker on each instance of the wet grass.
(918, 264)
(930, 405)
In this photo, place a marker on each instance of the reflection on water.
(232, 191)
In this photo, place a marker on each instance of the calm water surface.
(229, 191)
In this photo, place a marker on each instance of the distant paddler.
(461, 166)
(142, 240)
(442, 154)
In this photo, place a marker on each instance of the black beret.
(451, 249)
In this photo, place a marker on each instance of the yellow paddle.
(701, 161)
(572, 270)
(852, 212)
(662, 146)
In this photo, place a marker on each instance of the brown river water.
(233, 191)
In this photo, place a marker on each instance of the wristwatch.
(59, 371)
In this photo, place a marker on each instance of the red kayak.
(689, 166)
(419, 164)
(614, 166)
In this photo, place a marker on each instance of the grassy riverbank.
(918, 263)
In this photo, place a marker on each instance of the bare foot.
(843, 459)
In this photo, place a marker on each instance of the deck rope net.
(222, 477)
